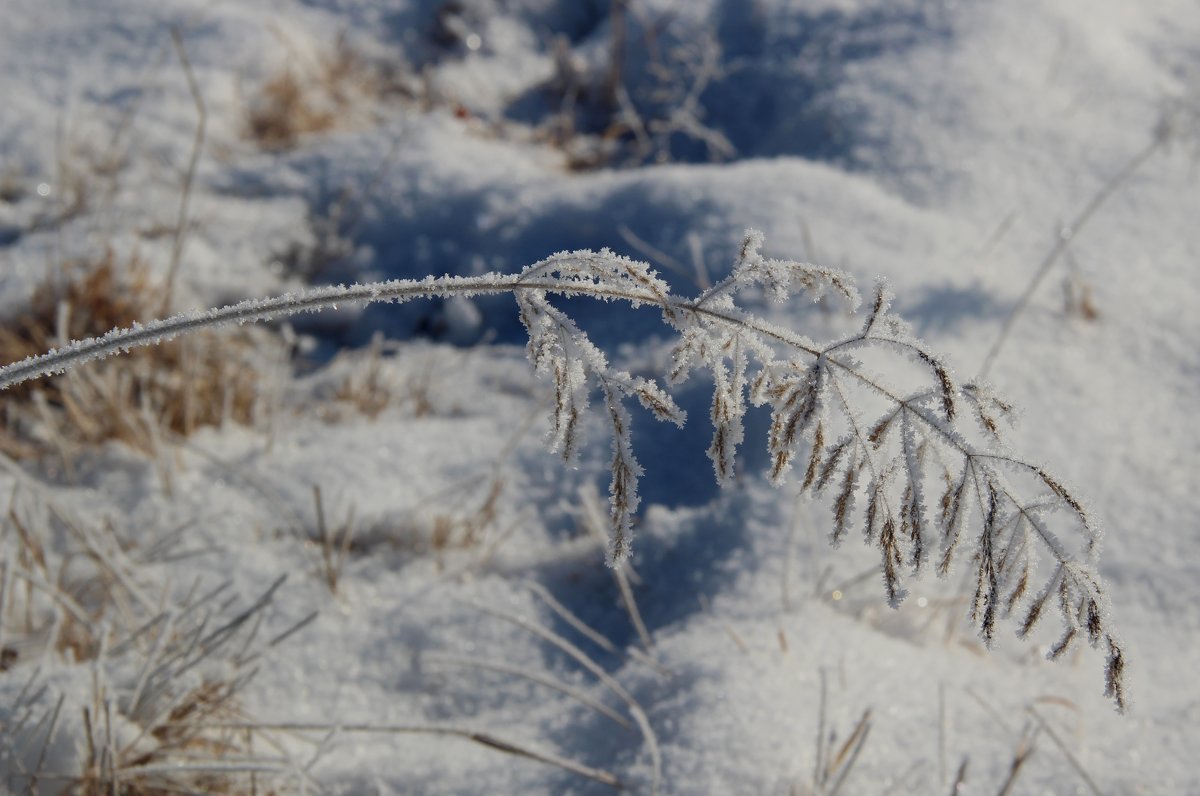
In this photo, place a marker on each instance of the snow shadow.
(431, 31)
(472, 229)
(740, 81)
(947, 308)
(681, 557)
(781, 95)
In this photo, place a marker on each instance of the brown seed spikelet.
(1062, 645)
(1114, 674)
(818, 445)
(1062, 492)
(841, 507)
(947, 386)
(832, 462)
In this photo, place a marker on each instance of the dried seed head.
(1062, 492)
(844, 504)
(832, 462)
(1114, 675)
(1063, 645)
(818, 447)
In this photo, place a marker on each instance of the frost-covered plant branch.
(923, 473)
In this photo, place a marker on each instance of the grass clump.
(163, 714)
(175, 388)
(311, 95)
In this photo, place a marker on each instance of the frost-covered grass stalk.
(919, 471)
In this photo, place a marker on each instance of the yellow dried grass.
(309, 98)
(177, 387)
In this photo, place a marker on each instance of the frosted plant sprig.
(924, 473)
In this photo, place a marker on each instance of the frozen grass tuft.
(313, 93)
(109, 689)
(170, 389)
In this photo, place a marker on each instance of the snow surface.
(942, 145)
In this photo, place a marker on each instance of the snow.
(944, 147)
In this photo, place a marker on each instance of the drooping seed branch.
(891, 459)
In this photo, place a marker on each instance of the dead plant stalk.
(881, 466)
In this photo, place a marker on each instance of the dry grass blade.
(832, 764)
(695, 276)
(1066, 235)
(486, 739)
(1025, 749)
(533, 677)
(960, 778)
(41, 762)
(335, 545)
(597, 638)
(593, 519)
(847, 755)
(185, 195)
(294, 629)
(819, 767)
(603, 777)
(635, 708)
(1058, 741)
